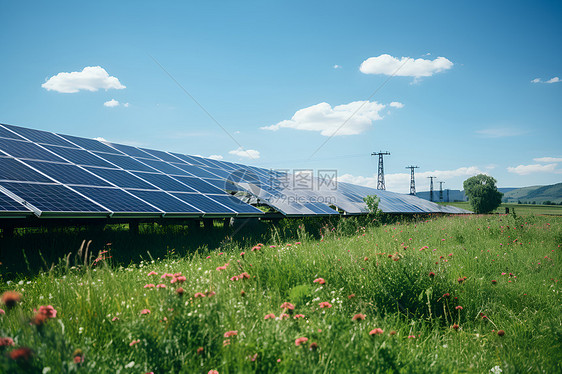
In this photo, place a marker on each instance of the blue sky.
(456, 88)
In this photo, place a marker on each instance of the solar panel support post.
(412, 179)
(431, 188)
(380, 180)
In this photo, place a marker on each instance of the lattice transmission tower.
(380, 181)
(431, 188)
(412, 179)
(441, 191)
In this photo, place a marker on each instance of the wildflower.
(351, 296)
(222, 267)
(180, 291)
(268, 316)
(393, 333)
(234, 278)
(39, 319)
(458, 307)
(431, 274)
(253, 358)
(460, 280)
(200, 350)
(313, 346)
(145, 311)
(297, 243)
(359, 317)
(213, 372)
(299, 341)
(152, 273)
(377, 331)
(287, 305)
(21, 354)
(284, 316)
(411, 336)
(319, 280)
(115, 319)
(228, 334)
(446, 295)
(10, 299)
(48, 311)
(494, 281)
(179, 279)
(6, 342)
(211, 293)
(2, 312)
(242, 293)
(78, 356)
(298, 316)
(242, 254)
(199, 294)
(150, 285)
(325, 304)
(455, 326)
(225, 342)
(134, 342)
(501, 332)
(244, 275)
(256, 248)
(161, 285)
(366, 259)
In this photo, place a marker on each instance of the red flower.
(351, 296)
(359, 317)
(150, 285)
(179, 279)
(213, 372)
(200, 350)
(48, 311)
(446, 294)
(501, 332)
(494, 281)
(298, 316)
(299, 341)
(211, 293)
(377, 331)
(283, 316)
(10, 299)
(325, 304)
(161, 285)
(242, 293)
(319, 280)
(228, 334)
(244, 275)
(234, 278)
(455, 326)
(152, 273)
(458, 307)
(21, 354)
(180, 291)
(287, 305)
(313, 346)
(5, 342)
(431, 274)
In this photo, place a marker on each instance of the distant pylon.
(412, 180)
(380, 182)
(431, 188)
(441, 191)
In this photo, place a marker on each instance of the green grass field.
(520, 209)
(451, 294)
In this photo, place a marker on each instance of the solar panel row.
(48, 174)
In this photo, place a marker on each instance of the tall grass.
(397, 275)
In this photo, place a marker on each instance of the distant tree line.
(547, 202)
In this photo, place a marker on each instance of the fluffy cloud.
(529, 169)
(111, 103)
(551, 80)
(347, 119)
(396, 104)
(405, 66)
(400, 182)
(337, 66)
(248, 153)
(216, 157)
(500, 132)
(91, 78)
(548, 159)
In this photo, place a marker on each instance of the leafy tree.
(482, 193)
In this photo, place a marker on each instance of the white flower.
(130, 365)
(496, 369)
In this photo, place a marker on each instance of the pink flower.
(319, 280)
(2, 312)
(242, 254)
(325, 304)
(228, 334)
(145, 311)
(134, 342)
(48, 311)
(268, 316)
(5, 342)
(359, 317)
(299, 341)
(244, 275)
(179, 279)
(458, 307)
(287, 305)
(234, 278)
(284, 316)
(297, 243)
(152, 273)
(199, 294)
(211, 293)
(377, 331)
(222, 267)
(115, 319)
(213, 372)
(150, 285)
(298, 316)
(411, 336)
(160, 285)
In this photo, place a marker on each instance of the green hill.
(538, 194)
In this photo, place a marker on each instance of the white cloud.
(551, 80)
(111, 103)
(248, 153)
(405, 66)
(216, 157)
(126, 105)
(347, 119)
(548, 159)
(500, 132)
(337, 66)
(396, 104)
(400, 182)
(91, 78)
(529, 169)
(100, 139)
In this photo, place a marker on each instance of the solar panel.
(90, 144)
(166, 202)
(164, 182)
(197, 171)
(235, 204)
(39, 136)
(117, 200)
(204, 203)
(132, 151)
(52, 197)
(200, 185)
(120, 178)
(9, 205)
(13, 170)
(68, 174)
(165, 167)
(26, 150)
(124, 162)
(5, 133)
(79, 156)
(161, 155)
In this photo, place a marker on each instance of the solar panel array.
(52, 175)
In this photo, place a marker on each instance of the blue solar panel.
(52, 198)
(11, 169)
(27, 150)
(164, 182)
(121, 178)
(4, 133)
(221, 173)
(7, 204)
(79, 156)
(68, 174)
(235, 204)
(196, 170)
(39, 136)
(90, 144)
(162, 155)
(204, 203)
(223, 185)
(166, 202)
(117, 200)
(125, 162)
(165, 167)
(200, 185)
(188, 159)
(201, 161)
(132, 151)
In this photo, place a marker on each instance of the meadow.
(443, 294)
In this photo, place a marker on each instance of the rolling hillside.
(538, 194)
